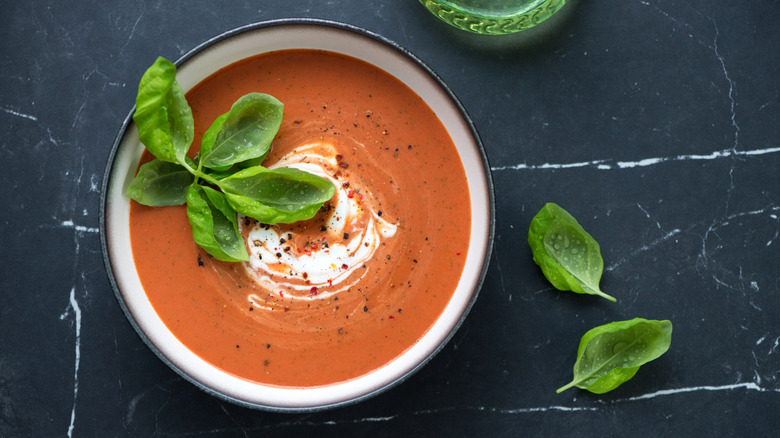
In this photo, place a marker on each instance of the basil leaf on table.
(243, 133)
(214, 224)
(570, 258)
(162, 114)
(611, 354)
(160, 184)
(282, 195)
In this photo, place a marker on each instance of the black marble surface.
(655, 122)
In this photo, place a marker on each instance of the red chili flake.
(314, 246)
(314, 290)
(330, 283)
(281, 294)
(351, 194)
(344, 266)
(391, 317)
(457, 253)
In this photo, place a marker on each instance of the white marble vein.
(74, 310)
(644, 162)
(80, 228)
(703, 258)
(74, 307)
(644, 248)
(749, 386)
(132, 31)
(731, 85)
(774, 347)
(19, 114)
(746, 386)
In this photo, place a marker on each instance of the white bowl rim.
(320, 401)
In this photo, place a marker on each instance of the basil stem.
(162, 114)
(214, 224)
(160, 184)
(569, 257)
(611, 354)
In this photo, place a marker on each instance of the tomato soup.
(334, 297)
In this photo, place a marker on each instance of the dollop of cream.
(326, 256)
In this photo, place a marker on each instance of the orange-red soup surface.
(396, 162)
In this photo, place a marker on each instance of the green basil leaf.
(160, 184)
(214, 224)
(282, 195)
(207, 142)
(243, 133)
(611, 354)
(570, 258)
(162, 114)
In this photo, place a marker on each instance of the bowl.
(227, 49)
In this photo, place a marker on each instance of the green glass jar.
(493, 17)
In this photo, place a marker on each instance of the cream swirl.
(328, 254)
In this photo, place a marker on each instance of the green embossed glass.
(493, 17)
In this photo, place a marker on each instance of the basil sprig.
(570, 258)
(611, 354)
(226, 177)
